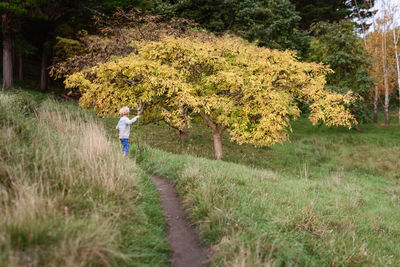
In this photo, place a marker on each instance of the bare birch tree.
(393, 9)
(384, 23)
(369, 4)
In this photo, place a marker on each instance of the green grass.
(254, 217)
(327, 197)
(67, 195)
(144, 230)
(311, 151)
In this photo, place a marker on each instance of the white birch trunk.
(396, 52)
(376, 104)
(385, 78)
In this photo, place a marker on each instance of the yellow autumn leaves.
(252, 92)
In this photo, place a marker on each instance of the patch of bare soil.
(183, 239)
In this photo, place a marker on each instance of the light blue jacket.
(124, 126)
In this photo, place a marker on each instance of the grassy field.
(328, 197)
(311, 151)
(67, 195)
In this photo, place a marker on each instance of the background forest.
(342, 34)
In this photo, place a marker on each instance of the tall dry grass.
(63, 187)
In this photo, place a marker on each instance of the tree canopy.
(252, 92)
(338, 46)
(272, 24)
(313, 11)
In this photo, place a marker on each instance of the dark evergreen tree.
(41, 21)
(270, 23)
(17, 14)
(313, 11)
(11, 14)
(339, 46)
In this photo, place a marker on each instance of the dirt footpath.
(183, 239)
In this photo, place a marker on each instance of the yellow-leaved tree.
(251, 92)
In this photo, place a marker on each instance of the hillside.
(67, 196)
(328, 197)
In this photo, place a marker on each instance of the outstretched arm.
(132, 120)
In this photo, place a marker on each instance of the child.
(124, 128)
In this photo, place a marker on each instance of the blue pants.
(125, 146)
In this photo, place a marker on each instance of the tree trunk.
(385, 81)
(216, 132)
(8, 81)
(183, 134)
(396, 52)
(20, 67)
(356, 127)
(376, 104)
(43, 72)
(217, 144)
(386, 105)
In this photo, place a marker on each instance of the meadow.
(311, 150)
(67, 195)
(329, 197)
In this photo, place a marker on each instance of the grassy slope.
(329, 197)
(67, 196)
(312, 151)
